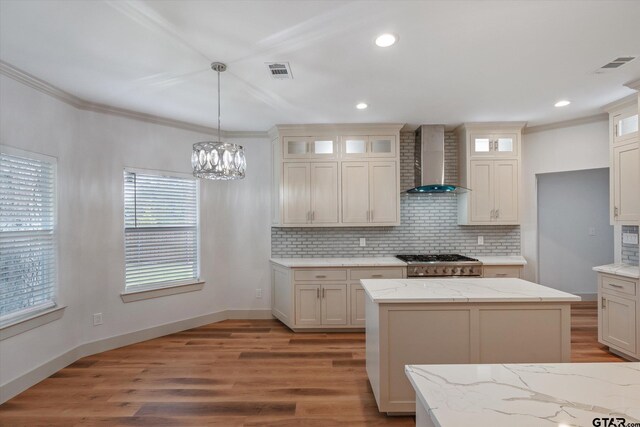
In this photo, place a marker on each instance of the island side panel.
(372, 347)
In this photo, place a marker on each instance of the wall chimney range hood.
(430, 175)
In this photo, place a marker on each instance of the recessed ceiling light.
(386, 40)
(562, 103)
(361, 106)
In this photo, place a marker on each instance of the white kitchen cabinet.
(310, 193)
(362, 146)
(323, 297)
(624, 164)
(626, 193)
(501, 271)
(307, 147)
(490, 169)
(494, 191)
(311, 174)
(369, 193)
(618, 318)
(494, 145)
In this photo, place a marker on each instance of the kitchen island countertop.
(461, 290)
(563, 394)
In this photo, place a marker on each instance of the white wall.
(577, 147)
(92, 151)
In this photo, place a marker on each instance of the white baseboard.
(31, 378)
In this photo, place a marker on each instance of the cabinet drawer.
(501, 271)
(609, 283)
(376, 273)
(315, 275)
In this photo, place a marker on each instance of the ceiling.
(455, 61)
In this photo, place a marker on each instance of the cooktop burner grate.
(435, 258)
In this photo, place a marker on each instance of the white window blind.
(161, 229)
(27, 234)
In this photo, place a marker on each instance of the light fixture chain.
(218, 70)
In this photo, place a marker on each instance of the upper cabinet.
(336, 175)
(368, 146)
(494, 145)
(624, 165)
(489, 168)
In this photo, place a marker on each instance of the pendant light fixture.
(216, 159)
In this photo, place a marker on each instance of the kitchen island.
(563, 394)
(455, 321)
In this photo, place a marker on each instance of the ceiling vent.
(616, 63)
(279, 70)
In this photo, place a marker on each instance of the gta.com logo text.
(613, 422)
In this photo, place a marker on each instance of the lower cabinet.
(323, 298)
(321, 305)
(618, 314)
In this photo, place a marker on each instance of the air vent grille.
(279, 70)
(616, 63)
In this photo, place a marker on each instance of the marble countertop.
(625, 270)
(562, 394)
(501, 260)
(339, 262)
(461, 290)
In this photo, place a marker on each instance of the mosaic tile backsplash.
(630, 252)
(428, 224)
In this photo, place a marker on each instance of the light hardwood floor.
(232, 373)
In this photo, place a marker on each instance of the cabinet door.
(382, 146)
(323, 147)
(324, 193)
(296, 147)
(355, 192)
(505, 145)
(308, 305)
(357, 298)
(481, 145)
(619, 322)
(625, 126)
(502, 271)
(334, 304)
(296, 193)
(626, 178)
(383, 193)
(354, 146)
(481, 194)
(505, 183)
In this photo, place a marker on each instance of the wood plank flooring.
(232, 373)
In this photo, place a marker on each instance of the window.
(161, 230)
(28, 277)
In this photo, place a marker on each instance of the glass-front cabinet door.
(368, 146)
(494, 145)
(625, 126)
(305, 147)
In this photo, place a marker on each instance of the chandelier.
(216, 159)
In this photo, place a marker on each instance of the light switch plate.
(363, 242)
(629, 238)
(481, 240)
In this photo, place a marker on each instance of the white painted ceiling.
(455, 61)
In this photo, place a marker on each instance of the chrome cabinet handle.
(615, 211)
(604, 303)
(376, 275)
(501, 274)
(497, 213)
(492, 214)
(320, 276)
(615, 286)
(318, 293)
(322, 293)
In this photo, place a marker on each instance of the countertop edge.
(623, 270)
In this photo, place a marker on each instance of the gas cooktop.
(441, 265)
(435, 258)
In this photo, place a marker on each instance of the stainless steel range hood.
(430, 174)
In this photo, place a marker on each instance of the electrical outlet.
(258, 293)
(629, 238)
(363, 242)
(592, 231)
(481, 240)
(97, 319)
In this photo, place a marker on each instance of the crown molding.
(326, 129)
(621, 103)
(633, 84)
(33, 82)
(567, 123)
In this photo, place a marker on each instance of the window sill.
(133, 296)
(23, 325)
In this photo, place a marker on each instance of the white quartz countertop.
(501, 260)
(625, 270)
(562, 394)
(339, 262)
(461, 290)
